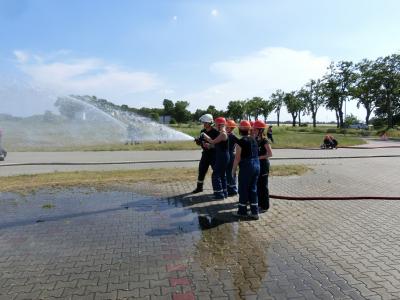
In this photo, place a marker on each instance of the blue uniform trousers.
(248, 176)
(230, 179)
(262, 185)
(218, 176)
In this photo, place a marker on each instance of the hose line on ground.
(333, 198)
(306, 198)
(177, 161)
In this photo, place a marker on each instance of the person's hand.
(205, 136)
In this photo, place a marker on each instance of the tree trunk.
(299, 119)
(294, 120)
(367, 116)
(314, 119)
(341, 123)
(390, 112)
(265, 118)
(337, 119)
(277, 114)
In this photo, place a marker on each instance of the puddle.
(127, 233)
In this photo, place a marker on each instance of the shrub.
(173, 121)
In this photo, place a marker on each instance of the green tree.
(367, 86)
(181, 114)
(254, 107)
(212, 110)
(197, 114)
(293, 105)
(124, 107)
(351, 119)
(312, 97)
(277, 102)
(336, 89)
(155, 116)
(236, 109)
(168, 107)
(266, 108)
(388, 103)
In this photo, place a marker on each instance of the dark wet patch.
(93, 229)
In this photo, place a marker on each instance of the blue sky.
(205, 52)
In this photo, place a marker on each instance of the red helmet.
(259, 124)
(220, 121)
(244, 124)
(230, 124)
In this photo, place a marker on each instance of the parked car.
(359, 126)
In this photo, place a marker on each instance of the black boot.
(198, 189)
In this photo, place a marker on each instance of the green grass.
(51, 139)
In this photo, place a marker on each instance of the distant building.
(165, 119)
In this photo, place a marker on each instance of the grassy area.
(101, 179)
(51, 139)
(286, 136)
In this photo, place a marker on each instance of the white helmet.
(207, 118)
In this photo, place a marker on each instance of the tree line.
(373, 84)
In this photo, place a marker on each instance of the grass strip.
(101, 179)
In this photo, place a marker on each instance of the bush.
(303, 125)
(331, 130)
(319, 130)
(173, 121)
(378, 122)
(364, 133)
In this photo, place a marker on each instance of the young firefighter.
(208, 155)
(246, 158)
(231, 178)
(264, 152)
(221, 159)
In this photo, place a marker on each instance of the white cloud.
(259, 74)
(85, 76)
(214, 12)
(21, 56)
(175, 18)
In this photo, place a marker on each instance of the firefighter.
(231, 178)
(221, 159)
(246, 158)
(208, 154)
(264, 152)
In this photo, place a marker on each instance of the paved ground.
(169, 244)
(133, 156)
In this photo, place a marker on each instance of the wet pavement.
(148, 241)
(160, 242)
